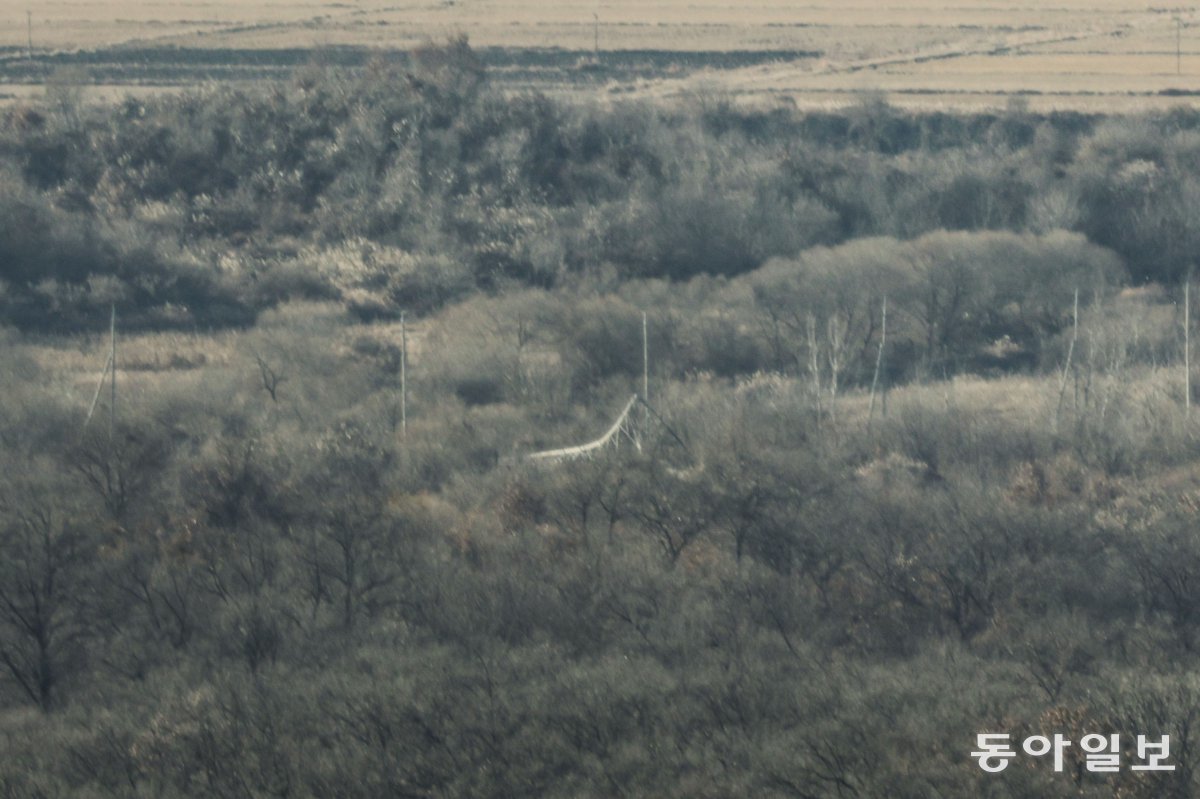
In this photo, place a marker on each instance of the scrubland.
(826, 559)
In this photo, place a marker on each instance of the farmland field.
(1079, 54)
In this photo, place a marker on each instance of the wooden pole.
(403, 377)
(878, 364)
(883, 387)
(645, 361)
(96, 396)
(112, 357)
(1062, 386)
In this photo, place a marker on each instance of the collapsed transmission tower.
(622, 428)
(629, 426)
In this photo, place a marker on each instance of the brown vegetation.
(261, 574)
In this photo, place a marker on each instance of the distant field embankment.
(534, 66)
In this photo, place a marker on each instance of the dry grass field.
(1084, 54)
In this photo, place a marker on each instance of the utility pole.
(596, 38)
(879, 366)
(1062, 386)
(645, 361)
(110, 366)
(112, 357)
(637, 438)
(29, 30)
(403, 377)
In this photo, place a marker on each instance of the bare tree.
(837, 330)
(120, 470)
(814, 361)
(43, 601)
(271, 378)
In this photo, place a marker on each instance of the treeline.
(982, 303)
(392, 189)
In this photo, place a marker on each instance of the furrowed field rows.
(1077, 54)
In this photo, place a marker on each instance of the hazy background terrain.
(1077, 54)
